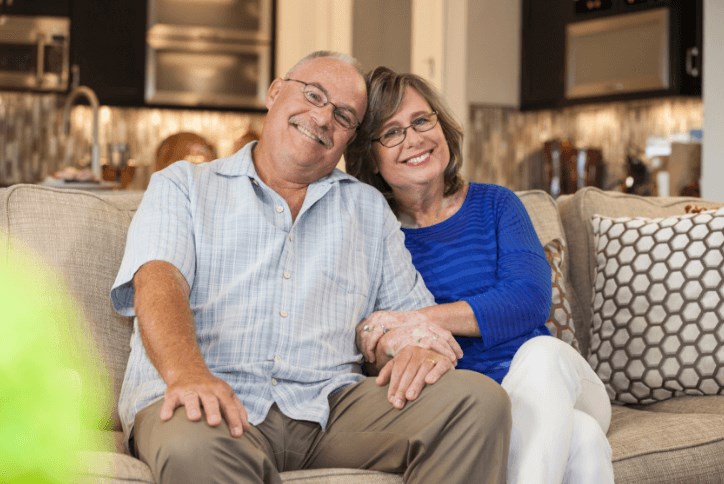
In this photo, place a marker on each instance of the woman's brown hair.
(385, 90)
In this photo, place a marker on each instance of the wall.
(304, 26)
(493, 54)
(381, 33)
(712, 169)
(505, 145)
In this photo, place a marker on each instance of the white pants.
(561, 413)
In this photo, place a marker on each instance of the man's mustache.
(312, 130)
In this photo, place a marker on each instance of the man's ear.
(273, 91)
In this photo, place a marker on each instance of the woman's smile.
(419, 159)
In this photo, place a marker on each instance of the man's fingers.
(383, 377)
(235, 416)
(418, 383)
(211, 409)
(190, 400)
(245, 425)
(170, 402)
(441, 367)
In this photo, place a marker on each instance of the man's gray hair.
(346, 58)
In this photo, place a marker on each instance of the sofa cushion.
(112, 467)
(658, 300)
(704, 404)
(339, 476)
(560, 319)
(543, 212)
(658, 447)
(576, 213)
(82, 235)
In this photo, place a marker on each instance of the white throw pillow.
(658, 306)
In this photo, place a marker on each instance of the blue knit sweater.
(488, 254)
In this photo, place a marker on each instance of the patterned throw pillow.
(658, 306)
(560, 320)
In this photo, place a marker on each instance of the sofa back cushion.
(82, 236)
(577, 212)
(543, 212)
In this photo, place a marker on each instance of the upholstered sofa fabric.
(679, 440)
(82, 235)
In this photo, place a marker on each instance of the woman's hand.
(401, 329)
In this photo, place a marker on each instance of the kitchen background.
(482, 67)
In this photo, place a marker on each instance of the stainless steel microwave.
(618, 54)
(34, 52)
(216, 54)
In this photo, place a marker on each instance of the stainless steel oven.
(34, 52)
(209, 53)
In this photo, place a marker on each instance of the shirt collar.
(240, 164)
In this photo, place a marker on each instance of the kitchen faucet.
(87, 92)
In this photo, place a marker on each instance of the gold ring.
(432, 360)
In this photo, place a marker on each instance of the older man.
(247, 277)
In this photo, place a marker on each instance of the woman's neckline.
(463, 193)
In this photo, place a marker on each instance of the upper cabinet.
(599, 50)
(57, 8)
(108, 46)
(543, 52)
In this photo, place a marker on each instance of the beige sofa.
(82, 234)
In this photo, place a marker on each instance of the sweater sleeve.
(520, 300)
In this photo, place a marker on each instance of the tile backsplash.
(32, 143)
(505, 146)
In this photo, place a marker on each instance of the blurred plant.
(51, 392)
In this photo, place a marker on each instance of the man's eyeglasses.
(316, 96)
(394, 136)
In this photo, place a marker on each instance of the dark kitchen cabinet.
(543, 48)
(108, 49)
(53, 8)
(543, 52)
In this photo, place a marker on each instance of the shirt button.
(279, 209)
(286, 275)
(255, 182)
(283, 314)
(274, 382)
(291, 237)
(277, 358)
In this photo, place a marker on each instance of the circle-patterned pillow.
(658, 306)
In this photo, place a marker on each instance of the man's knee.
(487, 401)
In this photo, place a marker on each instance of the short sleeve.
(161, 229)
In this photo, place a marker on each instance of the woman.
(478, 253)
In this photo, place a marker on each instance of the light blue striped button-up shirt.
(275, 301)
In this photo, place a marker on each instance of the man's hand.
(404, 328)
(409, 371)
(214, 395)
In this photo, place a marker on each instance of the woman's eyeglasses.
(394, 136)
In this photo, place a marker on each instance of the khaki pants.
(457, 431)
